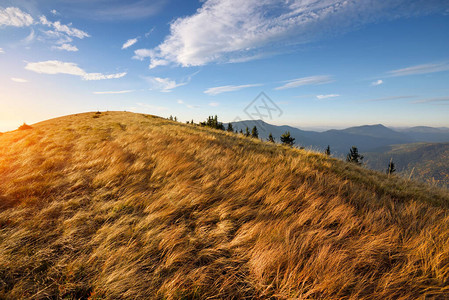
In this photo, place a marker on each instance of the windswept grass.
(125, 205)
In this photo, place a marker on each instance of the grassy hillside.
(122, 205)
(426, 162)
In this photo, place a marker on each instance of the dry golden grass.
(122, 205)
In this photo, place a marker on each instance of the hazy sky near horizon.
(329, 63)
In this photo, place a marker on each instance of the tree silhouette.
(354, 156)
(328, 151)
(271, 138)
(287, 139)
(255, 133)
(213, 123)
(230, 128)
(391, 167)
(247, 132)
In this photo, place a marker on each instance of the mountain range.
(368, 138)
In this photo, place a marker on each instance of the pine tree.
(241, 131)
(287, 139)
(171, 118)
(271, 138)
(247, 132)
(354, 156)
(176, 119)
(328, 151)
(391, 167)
(230, 128)
(255, 133)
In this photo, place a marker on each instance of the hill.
(120, 205)
(427, 162)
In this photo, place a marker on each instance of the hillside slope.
(122, 205)
(426, 162)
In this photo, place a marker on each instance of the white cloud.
(129, 43)
(59, 67)
(421, 69)
(389, 98)
(214, 104)
(29, 37)
(66, 29)
(113, 92)
(19, 80)
(163, 84)
(180, 102)
(312, 80)
(66, 47)
(13, 16)
(54, 12)
(377, 82)
(228, 88)
(327, 96)
(227, 30)
(141, 54)
(2, 51)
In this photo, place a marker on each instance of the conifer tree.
(247, 134)
(271, 138)
(241, 131)
(230, 128)
(255, 133)
(287, 139)
(391, 167)
(328, 151)
(354, 156)
(176, 119)
(171, 118)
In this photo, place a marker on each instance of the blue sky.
(328, 63)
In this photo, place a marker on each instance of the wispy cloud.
(129, 43)
(433, 100)
(66, 29)
(141, 54)
(54, 12)
(13, 16)
(421, 69)
(327, 96)
(377, 82)
(164, 85)
(228, 88)
(113, 92)
(66, 47)
(312, 80)
(389, 98)
(58, 67)
(19, 80)
(214, 104)
(199, 39)
(2, 51)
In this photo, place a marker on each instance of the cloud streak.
(66, 29)
(164, 85)
(129, 43)
(312, 80)
(113, 92)
(19, 80)
(320, 97)
(66, 47)
(227, 30)
(54, 67)
(388, 98)
(228, 88)
(420, 69)
(433, 100)
(13, 16)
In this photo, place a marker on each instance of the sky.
(312, 64)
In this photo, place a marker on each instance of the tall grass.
(132, 206)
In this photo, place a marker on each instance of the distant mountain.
(427, 162)
(427, 134)
(367, 138)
